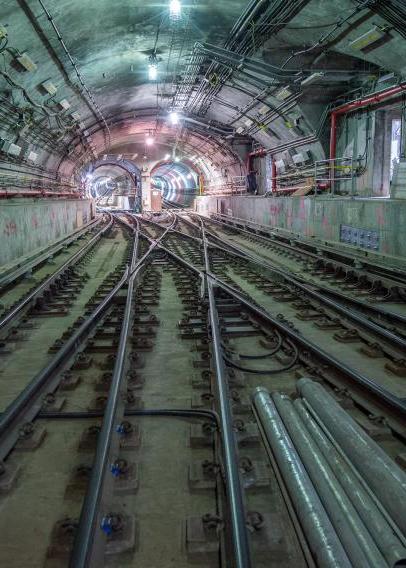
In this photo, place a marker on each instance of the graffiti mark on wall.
(10, 229)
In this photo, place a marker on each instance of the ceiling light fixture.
(174, 118)
(175, 9)
(152, 72)
(149, 141)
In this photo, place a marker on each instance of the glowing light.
(149, 141)
(174, 117)
(189, 176)
(175, 9)
(152, 72)
(177, 159)
(167, 156)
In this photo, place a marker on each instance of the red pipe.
(256, 154)
(273, 175)
(375, 98)
(8, 194)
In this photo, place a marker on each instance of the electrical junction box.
(82, 125)
(10, 148)
(280, 166)
(49, 87)
(75, 116)
(248, 122)
(240, 130)
(32, 157)
(64, 104)
(3, 32)
(263, 110)
(301, 157)
(26, 62)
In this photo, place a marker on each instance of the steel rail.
(361, 305)
(359, 319)
(234, 490)
(13, 274)
(88, 548)
(44, 285)
(381, 395)
(395, 404)
(346, 258)
(28, 403)
(241, 545)
(229, 446)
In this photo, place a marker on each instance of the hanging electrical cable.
(78, 73)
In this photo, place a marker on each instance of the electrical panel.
(3, 32)
(10, 148)
(248, 122)
(76, 116)
(364, 238)
(49, 87)
(301, 157)
(240, 130)
(31, 156)
(26, 62)
(64, 104)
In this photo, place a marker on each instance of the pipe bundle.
(348, 494)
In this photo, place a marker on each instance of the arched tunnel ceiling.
(227, 106)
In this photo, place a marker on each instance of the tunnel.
(202, 284)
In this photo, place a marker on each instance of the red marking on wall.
(380, 217)
(275, 209)
(302, 209)
(10, 229)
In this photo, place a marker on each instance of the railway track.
(138, 444)
(342, 275)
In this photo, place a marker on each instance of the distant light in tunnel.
(189, 176)
(149, 141)
(167, 156)
(177, 159)
(175, 9)
(174, 117)
(152, 72)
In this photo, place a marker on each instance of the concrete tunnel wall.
(27, 225)
(319, 217)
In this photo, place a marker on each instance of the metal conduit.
(383, 475)
(321, 536)
(354, 535)
(372, 515)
